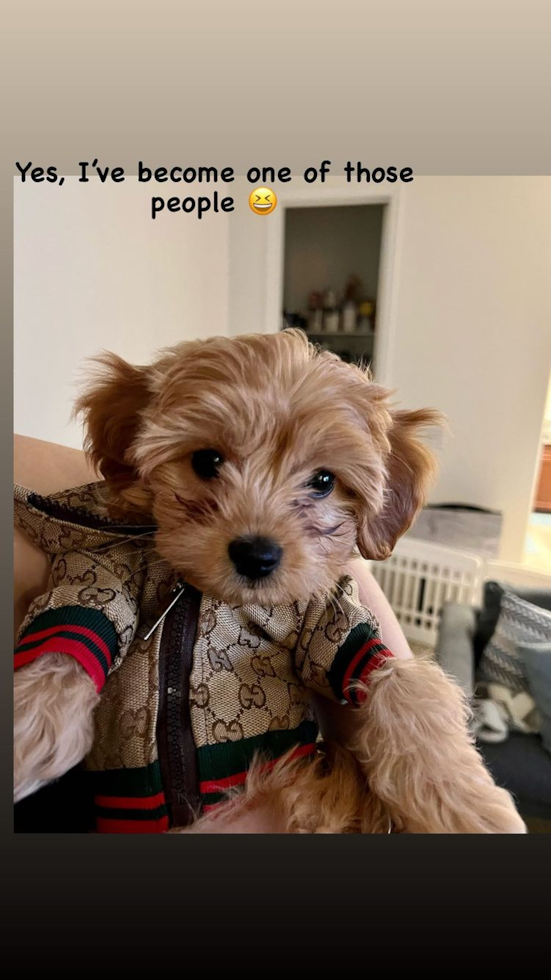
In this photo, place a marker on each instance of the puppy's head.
(264, 462)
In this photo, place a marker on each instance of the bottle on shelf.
(331, 316)
(350, 305)
(315, 313)
(349, 316)
(366, 310)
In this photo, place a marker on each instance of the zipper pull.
(177, 593)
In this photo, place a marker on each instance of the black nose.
(255, 557)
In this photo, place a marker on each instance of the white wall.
(473, 315)
(92, 271)
(468, 305)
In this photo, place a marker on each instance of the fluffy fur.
(278, 410)
(53, 721)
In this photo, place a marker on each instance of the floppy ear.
(111, 407)
(410, 469)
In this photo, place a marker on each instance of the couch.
(521, 764)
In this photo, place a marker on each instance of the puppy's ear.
(410, 470)
(111, 407)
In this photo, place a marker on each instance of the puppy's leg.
(324, 795)
(260, 819)
(54, 701)
(420, 760)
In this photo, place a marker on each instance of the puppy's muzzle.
(256, 557)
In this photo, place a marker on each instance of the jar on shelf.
(349, 323)
(331, 317)
(315, 313)
(315, 321)
(349, 317)
(365, 317)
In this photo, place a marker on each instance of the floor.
(537, 549)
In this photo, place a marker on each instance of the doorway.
(331, 275)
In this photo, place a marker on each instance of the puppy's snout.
(255, 557)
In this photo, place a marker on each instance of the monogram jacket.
(192, 689)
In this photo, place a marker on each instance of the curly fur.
(414, 746)
(411, 767)
(324, 796)
(54, 701)
(277, 410)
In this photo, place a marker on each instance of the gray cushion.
(519, 622)
(489, 614)
(537, 661)
(454, 646)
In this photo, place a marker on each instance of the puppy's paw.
(54, 701)
(417, 751)
(494, 813)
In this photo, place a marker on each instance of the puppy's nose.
(255, 557)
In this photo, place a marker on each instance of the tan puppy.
(265, 465)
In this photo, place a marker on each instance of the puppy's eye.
(207, 463)
(321, 483)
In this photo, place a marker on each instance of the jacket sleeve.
(340, 645)
(90, 608)
(87, 613)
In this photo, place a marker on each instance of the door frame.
(338, 193)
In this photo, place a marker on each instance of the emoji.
(262, 200)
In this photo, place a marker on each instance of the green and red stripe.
(130, 801)
(224, 766)
(83, 633)
(361, 654)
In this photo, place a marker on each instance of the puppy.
(244, 473)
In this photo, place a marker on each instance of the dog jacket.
(192, 688)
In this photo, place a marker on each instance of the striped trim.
(83, 633)
(130, 801)
(361, 654)
(215, 793)
(117, 826)
(225, 766)
(238, 778)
